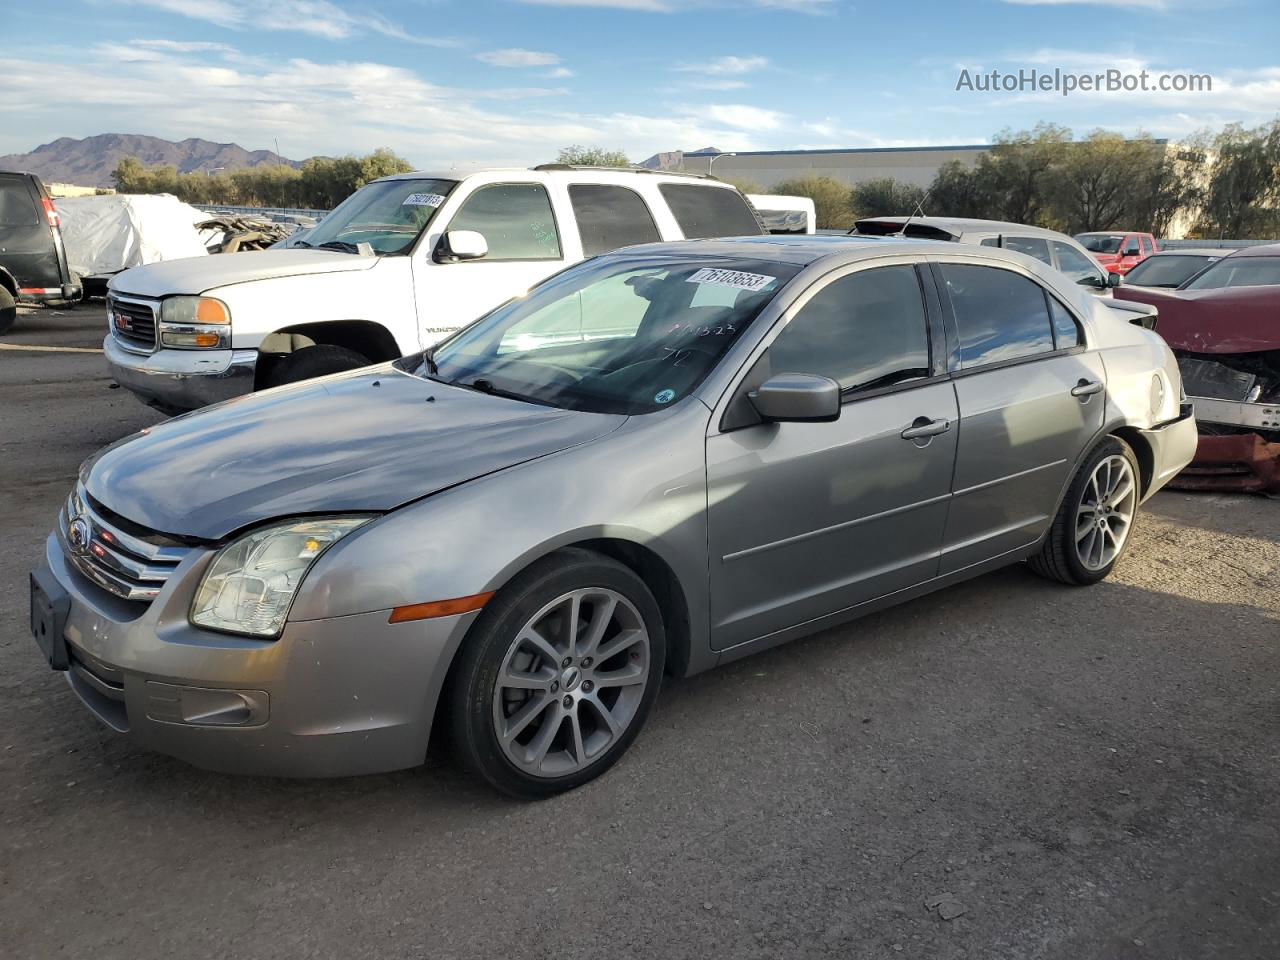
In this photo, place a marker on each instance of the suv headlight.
(195, 323)
(251, 583)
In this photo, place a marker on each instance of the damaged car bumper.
(179, 380)
(1237, 403)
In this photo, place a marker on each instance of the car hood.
(1230, 320)
(368, 440)
(199, 274)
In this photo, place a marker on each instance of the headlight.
(251, 583)
(195, 323)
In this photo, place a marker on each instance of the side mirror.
(458, 245)
(797, 398)
(1114, 279)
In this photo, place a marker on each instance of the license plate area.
(50, 605)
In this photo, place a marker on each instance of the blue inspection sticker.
(665, 396)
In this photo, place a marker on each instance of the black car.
(33, 263)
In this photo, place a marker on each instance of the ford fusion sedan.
(656, 461)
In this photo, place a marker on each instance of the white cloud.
(814, 7)
(515, 57)
(725, 66)
(559, 73)
(1149, 4)
(319, 18)
(226, 96)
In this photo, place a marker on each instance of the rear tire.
(316, 361)
(1095, 522)
(8, 311)
(557, 676)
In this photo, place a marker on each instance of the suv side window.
(515, 219)
(1074, 263)
(1032, 246)
(864, 330)
(17, 209)
(610, 217)
(1147, 246)
(706, 211)
(1000, 315)
(1130, 248)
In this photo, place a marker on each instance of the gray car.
(657, 461)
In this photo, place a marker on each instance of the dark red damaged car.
(1224, 327)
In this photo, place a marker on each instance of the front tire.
(1093, 526)
(8, 311)
(315, 361)
(558, 675)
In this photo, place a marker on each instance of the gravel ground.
(1004, 769)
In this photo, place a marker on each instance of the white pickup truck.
(397, 266)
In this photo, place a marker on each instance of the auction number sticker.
(754, 282)
(422, 200)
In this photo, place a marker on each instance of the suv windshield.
(387, 214)
(612, 335)
(1238, 272)
(1096, 244)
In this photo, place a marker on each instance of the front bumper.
(181, 379)
(337, 697)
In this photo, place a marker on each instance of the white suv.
(397, 266)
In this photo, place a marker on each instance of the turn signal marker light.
(439, 608)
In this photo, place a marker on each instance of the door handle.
(1086, 388)
(924, 427)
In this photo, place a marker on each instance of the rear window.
(1238, 272)
(707, 211)
(1166, 270)
(17, 209)
(610, 217)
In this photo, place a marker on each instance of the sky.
(455, 83)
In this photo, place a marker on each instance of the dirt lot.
(1076, 773)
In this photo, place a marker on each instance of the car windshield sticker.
(754, 282)
(665, 396)
(422, 200)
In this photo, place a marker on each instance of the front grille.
(128, 564)
(132, 323)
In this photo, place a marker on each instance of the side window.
(17, 209)
(991, 241)
(1130, 248)
(1146, 247)
(1074, 263)
(1000, 315)
(1031, 246)
(610, 217)
(706, 211)
(1066, 332)
(515, 219)
(865, 330)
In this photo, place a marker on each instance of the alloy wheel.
(571, 682)
(1105, 513)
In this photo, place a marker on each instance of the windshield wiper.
(343, 245)
(481, 385)
(302, 243)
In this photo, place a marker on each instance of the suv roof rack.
(663, 173)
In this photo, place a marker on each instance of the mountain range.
(90, 162)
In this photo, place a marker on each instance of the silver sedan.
(655, 462)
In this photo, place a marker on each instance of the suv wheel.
(8, 311)
(317, 361)
(1092, 528)
(558, 675)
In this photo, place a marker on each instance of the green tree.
(958, 190)
(1243, 192)
(1170, 186)
(1092, 183)
(884, 197)
(830, 199)
(579, 155)
(1016, 175)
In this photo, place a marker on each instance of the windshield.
(612, 335)
(1238, 272)
(386, 214)
(1166, 270)
(1095, 244)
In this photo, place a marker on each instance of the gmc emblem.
(122, 322)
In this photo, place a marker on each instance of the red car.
(1223, 326)
(1116, 250)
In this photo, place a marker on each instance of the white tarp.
(109, 233)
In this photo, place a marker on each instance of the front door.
(525, 246)
(810, 518)
(1031, 398)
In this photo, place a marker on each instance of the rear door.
(27, 249)
(1031, 397)
(806, 519)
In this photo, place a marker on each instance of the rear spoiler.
(1139, 314)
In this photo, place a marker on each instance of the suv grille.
(130, 566)
(132, 323)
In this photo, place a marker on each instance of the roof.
(799, 249)
(960, 226)
(1195, 252)
(546, 169)
(788, 153)
(1263, 250)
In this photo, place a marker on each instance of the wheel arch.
(8, 282)
(1141, 449)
